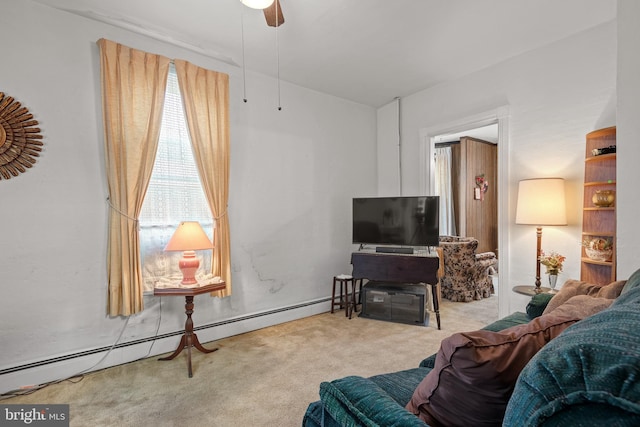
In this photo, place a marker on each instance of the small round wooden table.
(531, 290)
(189, 339)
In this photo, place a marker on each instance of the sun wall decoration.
(20, 139)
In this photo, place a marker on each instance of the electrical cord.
(76, 378)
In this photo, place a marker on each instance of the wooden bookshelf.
(599, 174)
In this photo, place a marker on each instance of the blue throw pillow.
(589, 373)
(632, 282)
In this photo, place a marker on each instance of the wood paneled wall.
(476, 218)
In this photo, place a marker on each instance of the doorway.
(496, 123)
(465, 175)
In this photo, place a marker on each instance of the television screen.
(411, 221)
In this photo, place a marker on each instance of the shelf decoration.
(604, 150)
(19, 138)
(482, 185)
(604, 198)
(598, 248)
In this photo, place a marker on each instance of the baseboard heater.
(157, 337)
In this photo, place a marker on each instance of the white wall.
(389, 140)
(555, 95)
(293, 173)
(628, 131)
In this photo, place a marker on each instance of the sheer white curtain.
(444, 190)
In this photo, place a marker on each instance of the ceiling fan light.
(257, 4)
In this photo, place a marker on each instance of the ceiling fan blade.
(273, 19)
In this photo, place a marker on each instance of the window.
(131, 146)
(175, 194)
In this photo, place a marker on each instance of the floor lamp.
(541, 201)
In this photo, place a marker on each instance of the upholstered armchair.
(466, 274)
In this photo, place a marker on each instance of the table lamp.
(189, 237)
(541, 201)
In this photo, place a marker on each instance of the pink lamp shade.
(189, 237)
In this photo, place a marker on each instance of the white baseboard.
(53, 371)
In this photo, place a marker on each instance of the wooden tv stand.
(400, 269)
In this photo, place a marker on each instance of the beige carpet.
(266, 377)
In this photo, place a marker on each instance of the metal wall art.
(20, 139)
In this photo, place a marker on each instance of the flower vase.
(553, 279)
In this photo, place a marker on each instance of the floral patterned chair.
(466, 274)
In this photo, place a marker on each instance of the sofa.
(572, 359)
(466, 273)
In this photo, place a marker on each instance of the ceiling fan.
(274, 17)
(273, 14)
(272, 10)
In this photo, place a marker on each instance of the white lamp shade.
(257, 4)
(189, 236)
(541, 201)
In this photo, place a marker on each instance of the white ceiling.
(367, 51)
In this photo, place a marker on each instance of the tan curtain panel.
(206, 103)
(133, 87)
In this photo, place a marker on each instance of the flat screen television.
(407, 221)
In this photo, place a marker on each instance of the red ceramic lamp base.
(189, 265)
